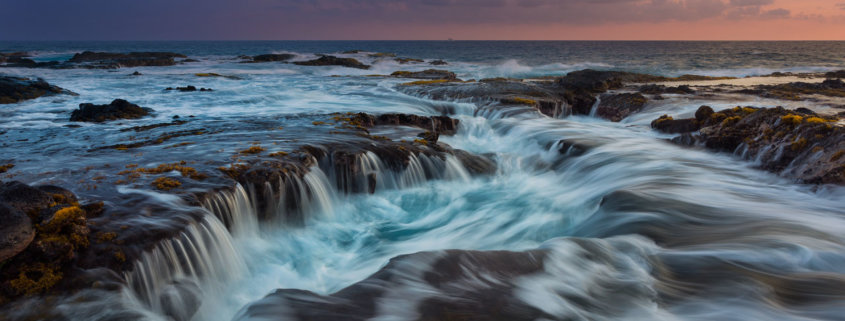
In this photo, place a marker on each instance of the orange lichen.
(278, 154)
(106, 236)
(252, 150)
(792, 119)
(35, 279)
(6, 168)
(166, 184)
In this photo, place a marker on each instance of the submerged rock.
(334, 61)
(14, 89)
(117, 109)
(438, 62)
(133, 59)
(429, 74)
(805, 146)
(618, 106)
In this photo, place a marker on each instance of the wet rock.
(382, 55)
(451, 279)
(804, 146)
(408, 60)
(334, 61)
(438, 63)
(270, 58)
(117, 109)
(655, 89)
(24, 198)
(835, 74)
(188, 89)
(136, 74)
(14, 89)
(667, 124)
(181, 300)
(438, 124)
(429, 74)
(618, 106)
(16, 232)
(703, 113)
(107, 60)
(798, 90)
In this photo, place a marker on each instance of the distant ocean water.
(727, 58)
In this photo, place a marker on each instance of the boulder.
(334, 61)
(429, 74)
(16, 232)
(438, 62)
(408, 60)
(618, 106)
(117, 109)
(14, 89)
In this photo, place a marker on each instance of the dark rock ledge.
(798, 144)
(51, 241)
(15, 89)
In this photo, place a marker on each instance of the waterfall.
(595, 108)
(171, 278)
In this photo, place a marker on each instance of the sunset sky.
(422, 19)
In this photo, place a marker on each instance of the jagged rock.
(117, 109)
(438, 124)
(16, 232)
(429, 74)
(270, 58)
(618, 106)
(334, 61)
(654, 89)
(438, 63)
(14, 89)
(808, 147)
(188, 89)
(133, 59)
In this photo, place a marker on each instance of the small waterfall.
(595, 108)
(235, 208)
(171, 278)
(371, 174)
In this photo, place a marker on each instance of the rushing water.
(657, 211)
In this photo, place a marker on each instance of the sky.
(422, 19)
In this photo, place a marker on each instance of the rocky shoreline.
(53, 239)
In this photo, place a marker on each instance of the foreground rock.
(105, 60)
(14, 89)
(117, 109)
(334, 61)
(800, 145)
(429, 74)
(51, 230)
